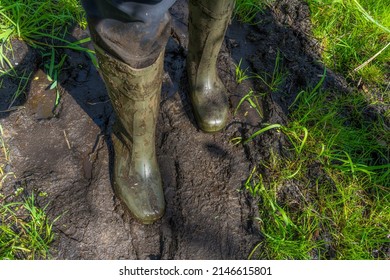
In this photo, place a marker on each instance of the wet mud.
(67, 152)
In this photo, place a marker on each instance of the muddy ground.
(67, 153)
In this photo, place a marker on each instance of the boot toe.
(211, 108)
(145, 200)
(210, 120)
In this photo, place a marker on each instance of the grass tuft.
(29, 19)
(355, 37)
(44, 25)
(25, 230)
(330, 198)
(247, 10)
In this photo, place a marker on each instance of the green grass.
(25, 230)
(343, 210)
(351, 33)
(328, 196)
(247, 10)
(4, 160)
(350, 204)
(30, 20)
(42, 24)
(23, 80)
(354, 37)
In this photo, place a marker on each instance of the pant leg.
(133, 31)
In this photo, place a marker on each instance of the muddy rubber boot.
(135, 94)
(208, 21)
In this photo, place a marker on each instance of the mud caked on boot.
(135, 94)
(208, 21)
(130, 51)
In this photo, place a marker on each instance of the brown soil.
(67, 153)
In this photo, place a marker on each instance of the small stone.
(41, 99)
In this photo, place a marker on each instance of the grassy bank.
(337, 174)
(355, 38)
(336, 181)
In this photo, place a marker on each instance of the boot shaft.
(208, 22)
(135, 95)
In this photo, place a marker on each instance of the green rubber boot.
(208, 21)
(135, 94)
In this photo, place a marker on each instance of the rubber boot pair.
(135, 95)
